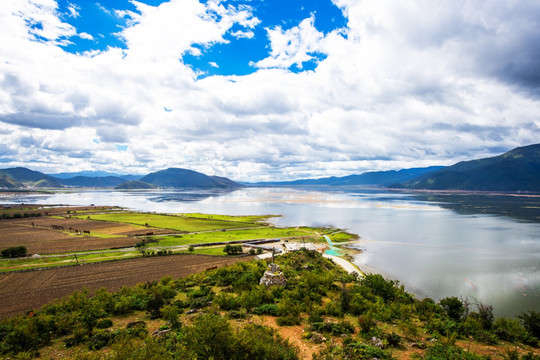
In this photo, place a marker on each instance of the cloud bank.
(404, 84)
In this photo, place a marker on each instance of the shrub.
(366, 323)
(446, 351)
(531, 323)
(508, 329)
(14, 252)
(288, 320)
(393, 339)
(453, 307)
(171, 313)
(99, 340)
(266, 309)
(380, 286)
(227, 301)
(353, 350)
(104, 323)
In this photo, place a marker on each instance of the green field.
(342, 236)
(181, 223)
(31, 263)
(233, 235)
(244, 218)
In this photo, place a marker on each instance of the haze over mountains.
(514, 171)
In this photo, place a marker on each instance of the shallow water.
(431, 245)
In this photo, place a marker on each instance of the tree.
(453, 306)
(14, 252)
(191, 248)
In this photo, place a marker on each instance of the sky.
(260, 90)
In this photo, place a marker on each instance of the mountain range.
(21, 177)
(515, 171)
(375, 178)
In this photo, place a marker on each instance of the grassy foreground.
(322, 313)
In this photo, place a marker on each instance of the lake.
(486, 248)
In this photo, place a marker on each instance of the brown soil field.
(23, 291)
(59, 210)
(41, 238)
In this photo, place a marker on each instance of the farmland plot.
(40, 287)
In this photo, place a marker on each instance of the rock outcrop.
(273, 276)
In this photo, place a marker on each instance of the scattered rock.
(161, 332)
(192, 311)
(317, 338)
(375, 341)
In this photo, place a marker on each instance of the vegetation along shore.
(171, 286)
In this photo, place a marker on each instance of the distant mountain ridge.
(514, 171)
(374, 178)
(93, 174)
(20, 176)
(517, 170)
(87, 181)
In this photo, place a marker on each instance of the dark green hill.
(30, 178)
(135, 184)
(516, 170)
(183, 178)
(87, 181)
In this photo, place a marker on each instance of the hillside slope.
(87, 181)
(183, 178)
(27, 177)
(516, 170)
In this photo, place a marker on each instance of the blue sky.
(240, 49)
(265, 90)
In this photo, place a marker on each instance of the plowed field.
(41, 238)
(20, 292)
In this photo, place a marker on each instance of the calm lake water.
(484, 248)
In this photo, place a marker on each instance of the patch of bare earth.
(293, 334)
(47, 235)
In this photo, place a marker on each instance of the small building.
(299, 246)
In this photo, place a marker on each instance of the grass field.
(342, 236)
(42, 262)
(245, 218)
(233, 235)
(181, 223)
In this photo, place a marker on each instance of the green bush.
(508, 329)
(453, 307)
(14, 252)
(266, 309)
(104, 324)
(288, 320)
(445, 351)
(531, 322)
(99, 340)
